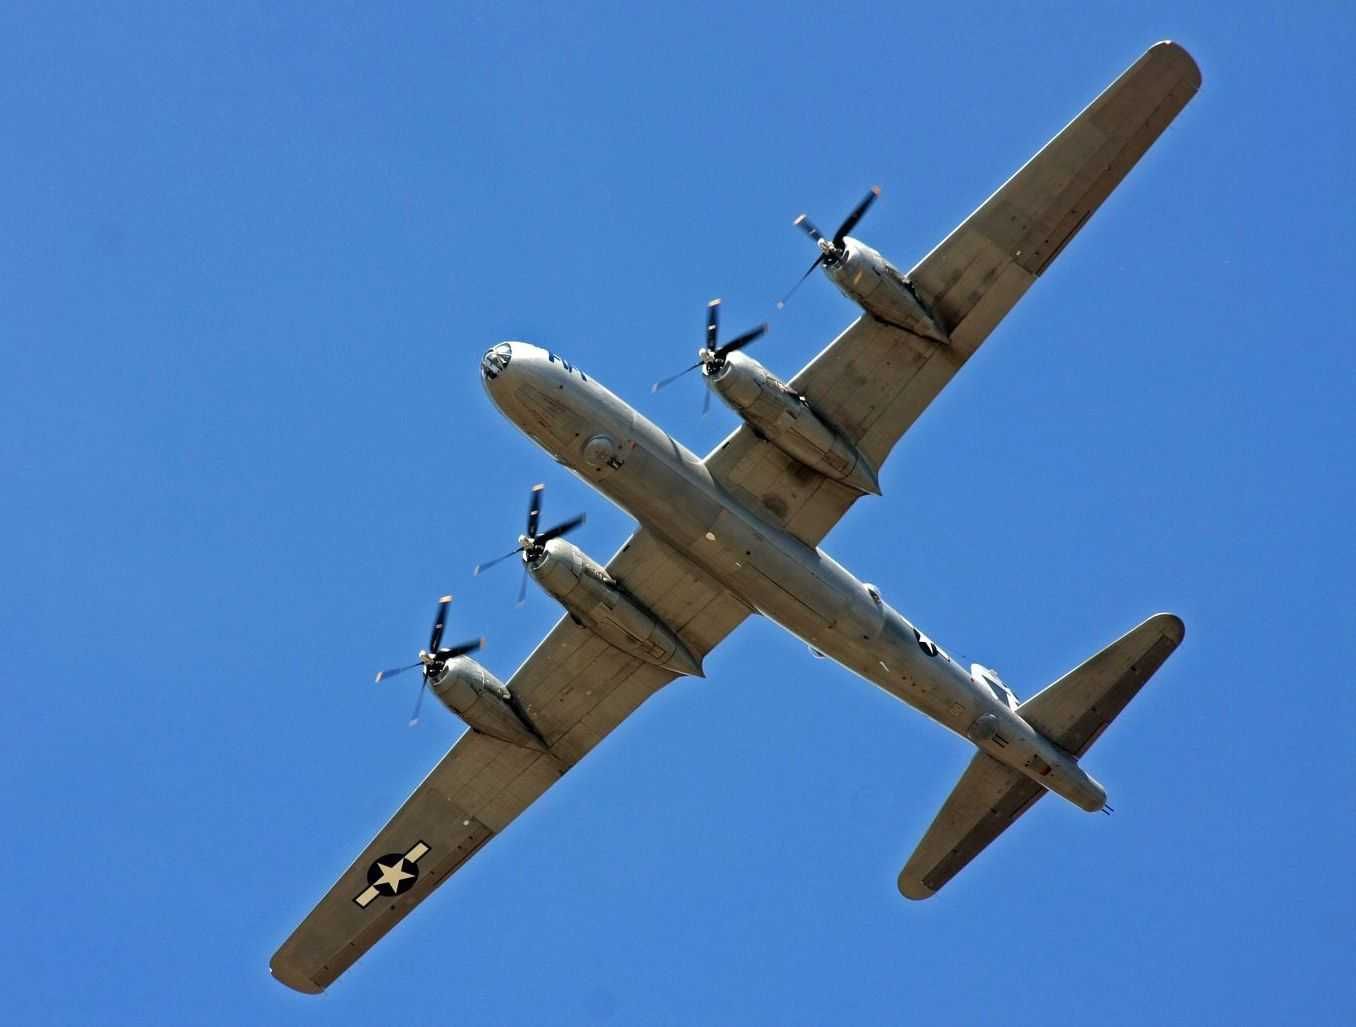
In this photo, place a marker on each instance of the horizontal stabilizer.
(984, 803)
(1077, 708)
(1072, 713)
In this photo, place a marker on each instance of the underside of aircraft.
(738, 532)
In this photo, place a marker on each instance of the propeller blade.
(818, 260)
(498, 559)
(414, 717)
(534, 510)
(807, 226)
(706, 400)
(382, 675)
(712, 322)
(460, 650)
(522, 588)
(673, 378)
(850, 222)
(564, 528)
(741, 342)
(439, 622)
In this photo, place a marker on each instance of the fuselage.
(666, 488)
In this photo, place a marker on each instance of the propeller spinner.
(434, 658)
(532, 544)
(711, 357)
(830, 249)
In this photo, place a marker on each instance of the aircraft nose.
(496, 361)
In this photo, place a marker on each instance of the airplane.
(738, 532)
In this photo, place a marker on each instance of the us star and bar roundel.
(391, 875)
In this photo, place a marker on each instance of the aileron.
(1015, 234)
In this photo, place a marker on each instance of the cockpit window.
(495, 360)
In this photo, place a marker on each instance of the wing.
(986, 801)
(471, 795)
(874, 380)
(575, 688)
(982, 268)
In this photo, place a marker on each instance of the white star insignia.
(392, 875)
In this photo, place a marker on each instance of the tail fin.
(1072, 713)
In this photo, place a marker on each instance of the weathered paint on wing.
(575, 688)
(875, 380)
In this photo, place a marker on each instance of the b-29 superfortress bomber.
(738, 531)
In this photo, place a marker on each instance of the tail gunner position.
(739, 531)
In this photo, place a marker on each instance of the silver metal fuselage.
(665, 487)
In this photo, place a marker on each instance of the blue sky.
(251, 256)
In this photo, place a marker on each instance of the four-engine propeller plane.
(738, 533)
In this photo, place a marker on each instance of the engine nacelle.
(482, 701)
(789, 423)
(588, 592)
(878, 287)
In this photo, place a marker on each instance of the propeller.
(532, 544)
(830, 249)
(711, 358)
(434, 658)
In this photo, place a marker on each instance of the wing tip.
(913, 888)
(1171, 626)
(286, 973)
(1189, 69)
